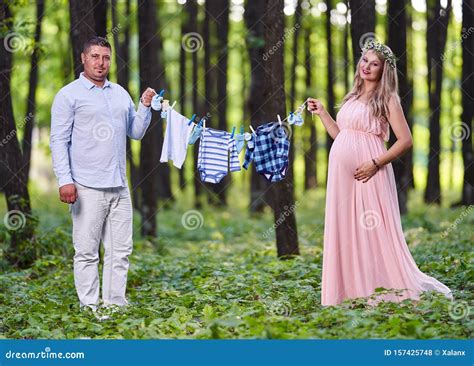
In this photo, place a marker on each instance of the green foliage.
(224, 281)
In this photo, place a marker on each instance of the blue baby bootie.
(291, 118)
(299, 119)
(156, 102)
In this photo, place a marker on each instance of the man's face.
(96, 62)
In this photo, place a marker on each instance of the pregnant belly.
(351, 148)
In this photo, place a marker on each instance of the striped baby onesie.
(214, 161)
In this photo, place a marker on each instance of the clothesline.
(157, 102)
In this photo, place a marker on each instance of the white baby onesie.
(176, 138)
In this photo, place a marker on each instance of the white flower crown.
(380, 48)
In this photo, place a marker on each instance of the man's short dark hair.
(96, 41)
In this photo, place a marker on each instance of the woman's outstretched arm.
(315, 106)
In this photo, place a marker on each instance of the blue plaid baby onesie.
(213, 158)
(269, 150)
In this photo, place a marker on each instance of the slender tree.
(397, 41)
(467, 90)
(294, 63)
(100, 17)
(254, 12)
(82, 28)
(330, 75)
(32, 86)
(152, 175)
(362, 24)
(437, 27)
(18, 220)
(122, 59)
(282, 193)
(311, 149)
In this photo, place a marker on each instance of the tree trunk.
(345, 50)
(410, 68)
(362, 25)
(19, 221)
(282, 194)
(222, 29)
(33, 84)
(397, 41)
(182, 86)
(151, 74)
(310, 179)
(123, 78)
(467, 91)
(100, 17)
(192, 9)
(294, 64)
(82, 29)
(330, 77)
(254, 11)
(437, 25)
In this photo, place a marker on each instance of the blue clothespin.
(201, 121)
(233, 131)
(192, 119)
(162, 91)
(242, 129)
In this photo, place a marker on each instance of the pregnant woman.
(364, 245)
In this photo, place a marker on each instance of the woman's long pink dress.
(364, 244)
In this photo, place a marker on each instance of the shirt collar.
(89, 84)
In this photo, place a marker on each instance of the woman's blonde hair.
(387, 87)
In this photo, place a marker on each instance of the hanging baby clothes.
(176, 138)
(269, 150)
(213, 158)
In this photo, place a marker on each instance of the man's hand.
(147, 96)
(68, 193)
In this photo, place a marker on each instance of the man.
(90, 120)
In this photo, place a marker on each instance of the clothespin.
(242, 130)
(201, 121)
(233, 131)
(253, 131)
(279, 119)
(162, 91)
(192, 119)
(172, 105)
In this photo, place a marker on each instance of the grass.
(223, 280)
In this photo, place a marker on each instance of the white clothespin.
(172, 105)
(279, 119)
(253, 131)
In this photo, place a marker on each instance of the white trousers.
(102, 214)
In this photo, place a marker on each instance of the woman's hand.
(366, 171)
(315, 106)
